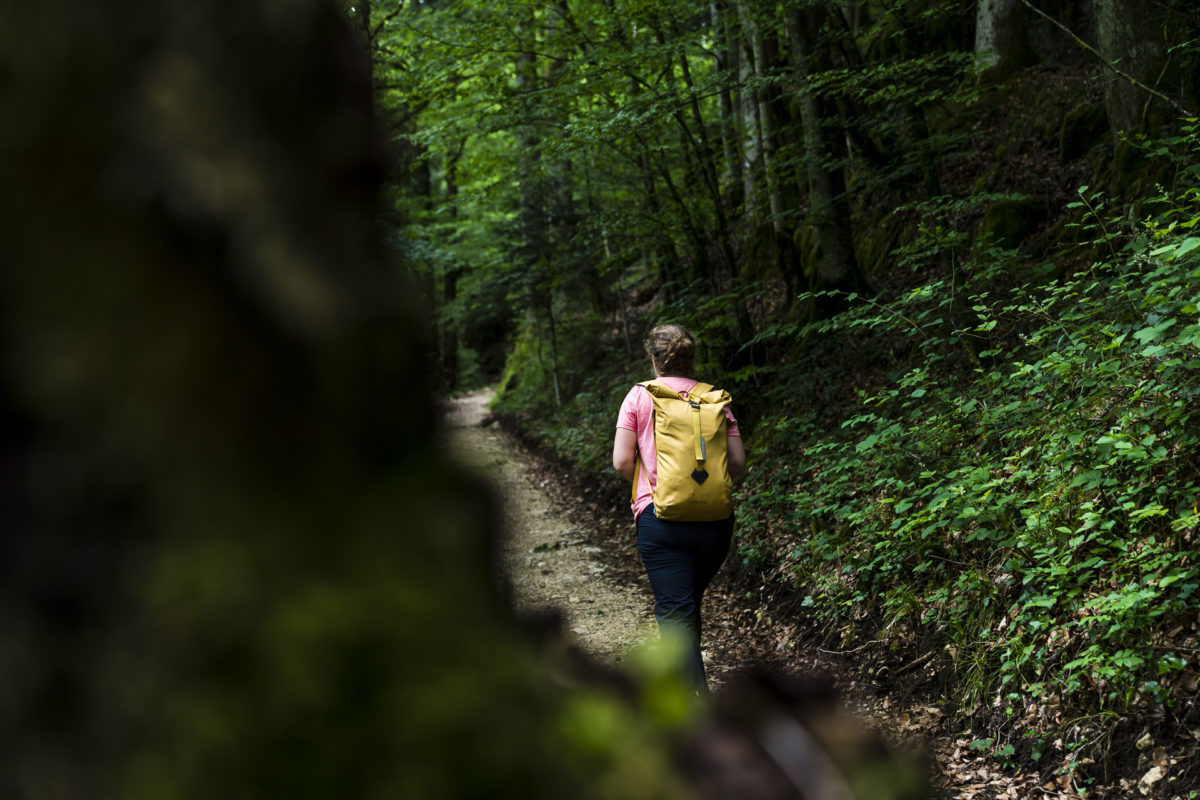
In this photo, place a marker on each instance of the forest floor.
(578, 558)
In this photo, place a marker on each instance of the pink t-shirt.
(637, 414)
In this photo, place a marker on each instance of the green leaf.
(867, 443)
(1189, 244)
(1154, 331)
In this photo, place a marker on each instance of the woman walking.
(681, 557)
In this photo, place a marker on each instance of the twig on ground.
(848, 652)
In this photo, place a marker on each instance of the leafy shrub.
(1039, 515)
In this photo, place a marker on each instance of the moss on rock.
(1010, 221)
(1082, 129)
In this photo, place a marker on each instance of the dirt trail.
(557, 562)
(552, 560)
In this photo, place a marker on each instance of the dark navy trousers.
(681, 559)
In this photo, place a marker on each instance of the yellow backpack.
(693, 464)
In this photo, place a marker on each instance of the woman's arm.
(625, 452)
(736, 452)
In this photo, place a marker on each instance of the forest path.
(586, 568)
(553, 561)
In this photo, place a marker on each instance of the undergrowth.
(1016, 483)
(1022, 489)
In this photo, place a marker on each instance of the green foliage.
(521, 115)
(580, 428)
(1040, 518)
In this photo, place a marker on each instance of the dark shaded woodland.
(942, 254)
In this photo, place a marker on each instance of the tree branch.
(1105, 61)
(1170, 7)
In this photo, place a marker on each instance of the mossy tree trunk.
(1134, 35)
(1000, 37)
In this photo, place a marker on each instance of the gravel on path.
(553, 562)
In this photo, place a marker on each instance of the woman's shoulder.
(634, 395)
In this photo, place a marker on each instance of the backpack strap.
(698, 436)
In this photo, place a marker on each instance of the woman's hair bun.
(673, 348)
(681, 345)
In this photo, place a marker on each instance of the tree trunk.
(999, 37)
(532, 211)
(751, 133)
(699, 241)
(451, 276)
(533, 216)
(725, 55)
(835, 265)
(704, 155)
(553, 347)
(665, 254)
(1133, 35)
(916, 127)
(765, 57)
